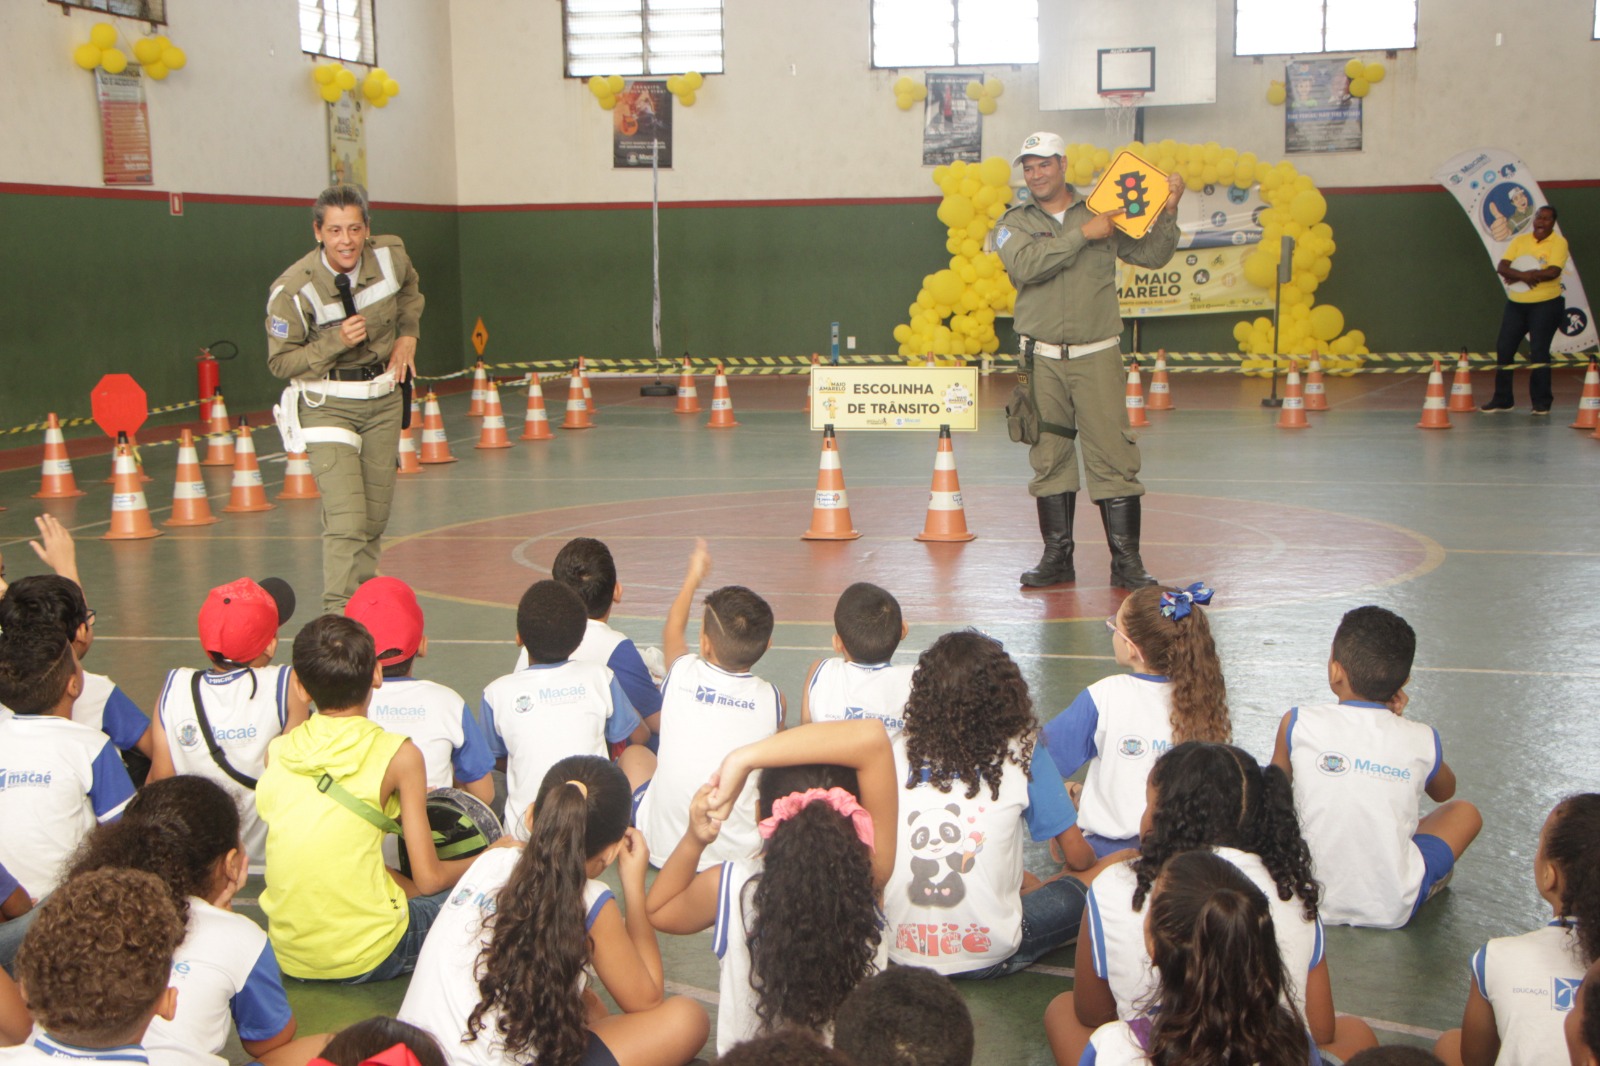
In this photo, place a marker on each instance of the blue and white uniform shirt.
(106, 707)
(247, 708)
(538, 716)
(42, 1049)
(604, 645)
(1359, 776)
(706, 712)
(1531, 982)
(842, 690)
(1120, 726)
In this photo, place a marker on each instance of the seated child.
(60, 776)
(217, 723)
(1521, 985)
(382, 1041)
(585, 565)
(436, 718)
(94, 969)
(1360, 771)
(334, 912)
(556, 706)
(1583, 1021)
(710, 704)
(905, 1016)
(867, 628)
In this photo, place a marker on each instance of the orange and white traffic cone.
(480, 390)
(929, 361)
(1292, 415)
(191, 505)
(1435, 408)
(219, 441)
(830, 511)
(721, 403)
(435, 443)
(407, 462)
(815, 359)
(1134, 397)
(1316, 393)
(138, 460)
(249, 494)
(688, 395)
(298, 484)
(536, 423)
(588, 389)
(55, 478)
(1589, 402)
(1160, 386)
(577, 416)
(130, 513)
(947, 517)
(1461, 388)
(493, 433)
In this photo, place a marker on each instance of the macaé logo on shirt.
(188, 736)
(564, 694)
(1131, 747)
(707, 694)
(1333, 763)
(23, 779)
(224, 736)
(854, 713)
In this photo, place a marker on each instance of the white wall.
(242, 117)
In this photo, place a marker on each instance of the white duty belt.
(1046, 350)
(316, 392)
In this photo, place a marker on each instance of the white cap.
(1041, 144)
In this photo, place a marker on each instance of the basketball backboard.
(1173, 43)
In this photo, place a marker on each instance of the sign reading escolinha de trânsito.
(889, 397)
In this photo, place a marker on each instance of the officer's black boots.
(1055, 526)
(1121, 518)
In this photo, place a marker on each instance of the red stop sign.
(119, 404)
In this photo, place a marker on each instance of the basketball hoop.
(1121, 111)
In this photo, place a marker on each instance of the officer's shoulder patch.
(278, 327)
(1002, 234)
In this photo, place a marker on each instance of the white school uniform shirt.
(954, 900)
(1359, 776)
(42, 1049)
(737, 1019)
(842, 690)
(226, 974)
(706, 712)
(1116, 934)
(606, 646)
(1531, 981)
(1120, 726)
(106, 707)
(538, 716)
(247, 709)
(444, 988)
(59, 778)
(1113, 1044)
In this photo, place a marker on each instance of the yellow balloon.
(614, 83)
(986, 106)
(156, 72)
(903, 84)
(902, 102)
(1327, 322)
(994, 88)
(1259, 270)
(607, 102)
(103, 35)
(145, 50)
(695, 80)
(380, 101)
(1276, 94)
(1354, 69)
(378, 74)
(675, 84)
(1209, 174)
(1308, 207)
(920, 93)
(164, 41)
(995, 210)
(1359, 87)
(598, 86)
(974, 90)
(174, 58)
(330, 93)
(113, 60)
(902, 334)
(1374, 72)
(1241, 331)
(956, 211)
(390, 87)
(372, 89)
(687, 99)
(87, 55)
(345, 79)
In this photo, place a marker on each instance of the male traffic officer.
(1062, 258)
(345, 350)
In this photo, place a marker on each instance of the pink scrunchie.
(398, 1055)
(786, 807)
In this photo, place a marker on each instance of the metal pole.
(655, 244)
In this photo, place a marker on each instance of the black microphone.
(342, 283)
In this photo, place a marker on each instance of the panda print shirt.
(954, 901)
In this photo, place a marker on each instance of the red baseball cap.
(389, 610)
(240, 619)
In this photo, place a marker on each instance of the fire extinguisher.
(209, 373)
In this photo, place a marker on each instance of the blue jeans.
(420, 913)
(1539, 323)
(1050, 919)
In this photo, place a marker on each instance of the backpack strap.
(358, 807)
(211, 738)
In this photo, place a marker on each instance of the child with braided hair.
(1121, 724)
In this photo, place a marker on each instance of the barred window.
(339, 29)
(642, 36)
(1306, 27)
(143, 10)
(954, 33)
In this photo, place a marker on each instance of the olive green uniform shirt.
(1067, 284)
(304, 311)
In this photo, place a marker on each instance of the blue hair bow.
(1176, 605)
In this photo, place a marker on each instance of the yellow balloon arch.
(953, 316)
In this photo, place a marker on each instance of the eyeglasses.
(1111, 624)
(88, 619)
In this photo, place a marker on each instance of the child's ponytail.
(1573, 845)
(1169, 628)
(529, 970)
(814, 940)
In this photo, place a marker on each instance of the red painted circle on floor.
(1253, 553)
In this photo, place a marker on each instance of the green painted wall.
(100, 285)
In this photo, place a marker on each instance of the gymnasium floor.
(1480, 537)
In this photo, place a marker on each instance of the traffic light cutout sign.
(1135, 187)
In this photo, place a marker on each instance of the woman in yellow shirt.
(1535, 309)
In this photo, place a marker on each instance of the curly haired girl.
(502, 978)
(1221, 988)
(1175, 693)
(1203, 797)
(1510, 1016)
(972, 776)
(185, 830)
(799, 927)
